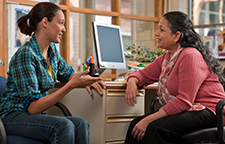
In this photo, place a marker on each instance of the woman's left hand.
(98, 86)
(139, 129)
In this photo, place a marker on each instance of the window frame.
(65, 6)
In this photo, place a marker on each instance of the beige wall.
(178, 5)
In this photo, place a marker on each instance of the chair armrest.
(152, 104)
(3, 137)
(63, 108)
(220, 124)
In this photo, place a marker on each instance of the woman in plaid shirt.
(33, 70)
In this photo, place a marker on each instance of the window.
(209, 17)
(208, 14)
(137, 20)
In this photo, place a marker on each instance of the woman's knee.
(158, 133)
(64, 124)
(59, 128)
(83, 122)
(79, 122)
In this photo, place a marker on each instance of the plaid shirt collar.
(35, 47)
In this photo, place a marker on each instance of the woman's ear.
(178, 35)
(44, 22)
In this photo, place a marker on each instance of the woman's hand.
(81, 79)
(131, 91)
(139, 129)
(98, 86)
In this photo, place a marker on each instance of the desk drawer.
(115, 102)
(116, 129)
(116, 105)
(117, 125)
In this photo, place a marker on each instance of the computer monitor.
(109, 46)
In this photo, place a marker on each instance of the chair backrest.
(3, 138)
(2, 84)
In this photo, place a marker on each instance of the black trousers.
(168, 130)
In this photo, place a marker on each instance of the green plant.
(141, 54)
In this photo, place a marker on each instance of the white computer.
(109, 46)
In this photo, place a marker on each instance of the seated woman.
(33, 70)
(190, 85)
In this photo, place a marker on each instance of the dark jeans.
(168, 130)
(54, 129)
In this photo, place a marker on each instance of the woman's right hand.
(131, 91)
(82, 80)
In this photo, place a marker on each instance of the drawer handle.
(121, 93)
(116, 92)
(119, 120)
(119, 142)
(115, 119)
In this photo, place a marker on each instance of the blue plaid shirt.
(28, 77)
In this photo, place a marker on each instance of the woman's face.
(165, 39)
(56, 27)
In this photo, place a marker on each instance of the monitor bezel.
(100, 62)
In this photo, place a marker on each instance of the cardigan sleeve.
(150, 74)
(192, 71)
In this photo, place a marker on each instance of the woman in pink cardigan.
(190, 85)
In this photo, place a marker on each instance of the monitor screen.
(109, 46)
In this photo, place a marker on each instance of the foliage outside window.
(141, 54)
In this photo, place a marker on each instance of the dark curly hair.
(179, 21)
(28, 23)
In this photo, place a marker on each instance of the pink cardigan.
(190, 81)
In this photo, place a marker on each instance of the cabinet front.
(118, 115)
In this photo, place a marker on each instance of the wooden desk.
(113, 85)
(107, 114)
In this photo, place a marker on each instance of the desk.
(150, 92)
(108, 115)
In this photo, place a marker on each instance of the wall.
(178, 5)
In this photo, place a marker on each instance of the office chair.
(12, 139)
(207, 135)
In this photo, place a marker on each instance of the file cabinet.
(118, 115)
(107, 114)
